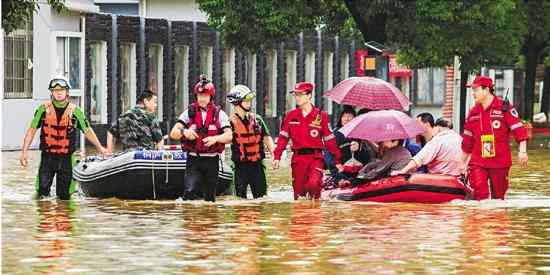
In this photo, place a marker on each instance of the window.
(69, 57)
(98, 82)
(206, 55)
(310, 70)
(290, 69)
(228, 76)
(270, 99)
(251, 75)
(18, 63)
(182, 79)
(327, 76)
(127, 75)
(344, 67)
(155, 75)
(430, 86)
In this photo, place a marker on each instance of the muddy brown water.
(276, 235)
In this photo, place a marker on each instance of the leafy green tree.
(15, 13)
(480, 33)
(536, 41)
(426, 33)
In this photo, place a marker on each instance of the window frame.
(184, 78)
(271, 82)
(133, 77)
(102, 59)
(328, 83)
(430, 93)
(28, 74)
(53, 66)
(160, 77)
(309, 70)
(291, 67)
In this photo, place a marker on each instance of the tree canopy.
(426, 33)
(15, 13)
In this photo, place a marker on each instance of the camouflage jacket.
(137, 128)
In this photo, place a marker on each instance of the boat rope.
(153, 177)
(167, 156)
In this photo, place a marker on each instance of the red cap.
(481, 80)
(303, 87)
(207, 88)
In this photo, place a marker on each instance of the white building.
(52, 44)
(185, 10)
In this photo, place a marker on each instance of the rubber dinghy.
(421, 188)
(140, 174)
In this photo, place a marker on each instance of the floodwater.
(276, 235)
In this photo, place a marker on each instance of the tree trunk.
(531, 58)
(463, 97)
(372, 29)
(545, 103)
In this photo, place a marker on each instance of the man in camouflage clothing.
(138, 126)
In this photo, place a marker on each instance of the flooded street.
(276, 235)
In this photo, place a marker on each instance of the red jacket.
(492, 120)
(311, 131)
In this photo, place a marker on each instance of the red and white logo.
(496, 124)
(314, 133)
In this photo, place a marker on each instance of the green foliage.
(480, 33)
(426, 33)
(15, 13)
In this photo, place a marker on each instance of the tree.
(480, 33)
(534, 15)
(15, 13)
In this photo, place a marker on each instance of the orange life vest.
(211, 127)
(56, 137)
(247, 138)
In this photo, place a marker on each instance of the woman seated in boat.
(351, 149)
(393, 157)
(442, 154)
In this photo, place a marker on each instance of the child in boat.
(393, 157)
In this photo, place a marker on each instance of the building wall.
(195, 35)
(122, 9)
(187, 10)
(45, 23)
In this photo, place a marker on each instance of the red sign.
(360, 56)
(398, 70)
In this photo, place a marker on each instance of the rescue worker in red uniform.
(250, 136)
(59, 121)
(203, 130)
(307, 127)
(486, 141)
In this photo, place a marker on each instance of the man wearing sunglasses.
(250, 134)
(58, 120)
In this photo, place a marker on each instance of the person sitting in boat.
(427, 121)
(350, 148)
(393, 157)
(442, 154)
(59, 121)
(203, 130)
(138, 127)
(250, 136)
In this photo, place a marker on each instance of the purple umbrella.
(368, 92)
(382, 125)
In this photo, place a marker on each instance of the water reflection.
(276, 235)
(54, 235)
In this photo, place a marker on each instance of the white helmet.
(239, 93)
